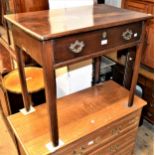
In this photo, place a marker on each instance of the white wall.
(116, 3)
(54, 4)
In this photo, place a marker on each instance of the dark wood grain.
(136, 66)
(50, 82)
(45, 25)
(129, 67)
(20, 63)
(29, 5)
(96, 70)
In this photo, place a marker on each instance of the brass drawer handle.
(127, 35)
(116, 130)
(77, 46)
(114, 148)
(77, 153)
(80, 150)
(134, 120)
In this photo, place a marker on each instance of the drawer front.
(93, 43)
(128, 150)
(102, 136)
(137, 6)
(151, 8)
(118, 146)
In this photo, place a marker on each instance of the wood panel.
(148, 56)
(30, 5)
(146, 6)
(5, 60)
(137, 6)
(11, 5)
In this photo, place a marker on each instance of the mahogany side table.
(64, 36)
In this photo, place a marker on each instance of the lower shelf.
(88, 120)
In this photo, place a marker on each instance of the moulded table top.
(48, 24)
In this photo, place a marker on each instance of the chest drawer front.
(118, 146)
(102, 136)
(137, 6)
(89, 44)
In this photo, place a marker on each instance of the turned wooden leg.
(50, 89)
(129, 65)
(96, 70)
(136, 66)
(22, 77)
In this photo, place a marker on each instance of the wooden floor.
(7, 146)
(144, 143)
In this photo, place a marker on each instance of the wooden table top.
(79, 114)
(45, 25)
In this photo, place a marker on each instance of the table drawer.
(118, 146)
(102, 136)
(93, 43)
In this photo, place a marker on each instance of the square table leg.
(50, 88)
(20, 63)
(136, 66)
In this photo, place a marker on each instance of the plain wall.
(116, 3)
(55, 4)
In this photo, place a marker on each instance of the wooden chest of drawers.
(97, 123)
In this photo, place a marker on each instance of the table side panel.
(29, 44)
